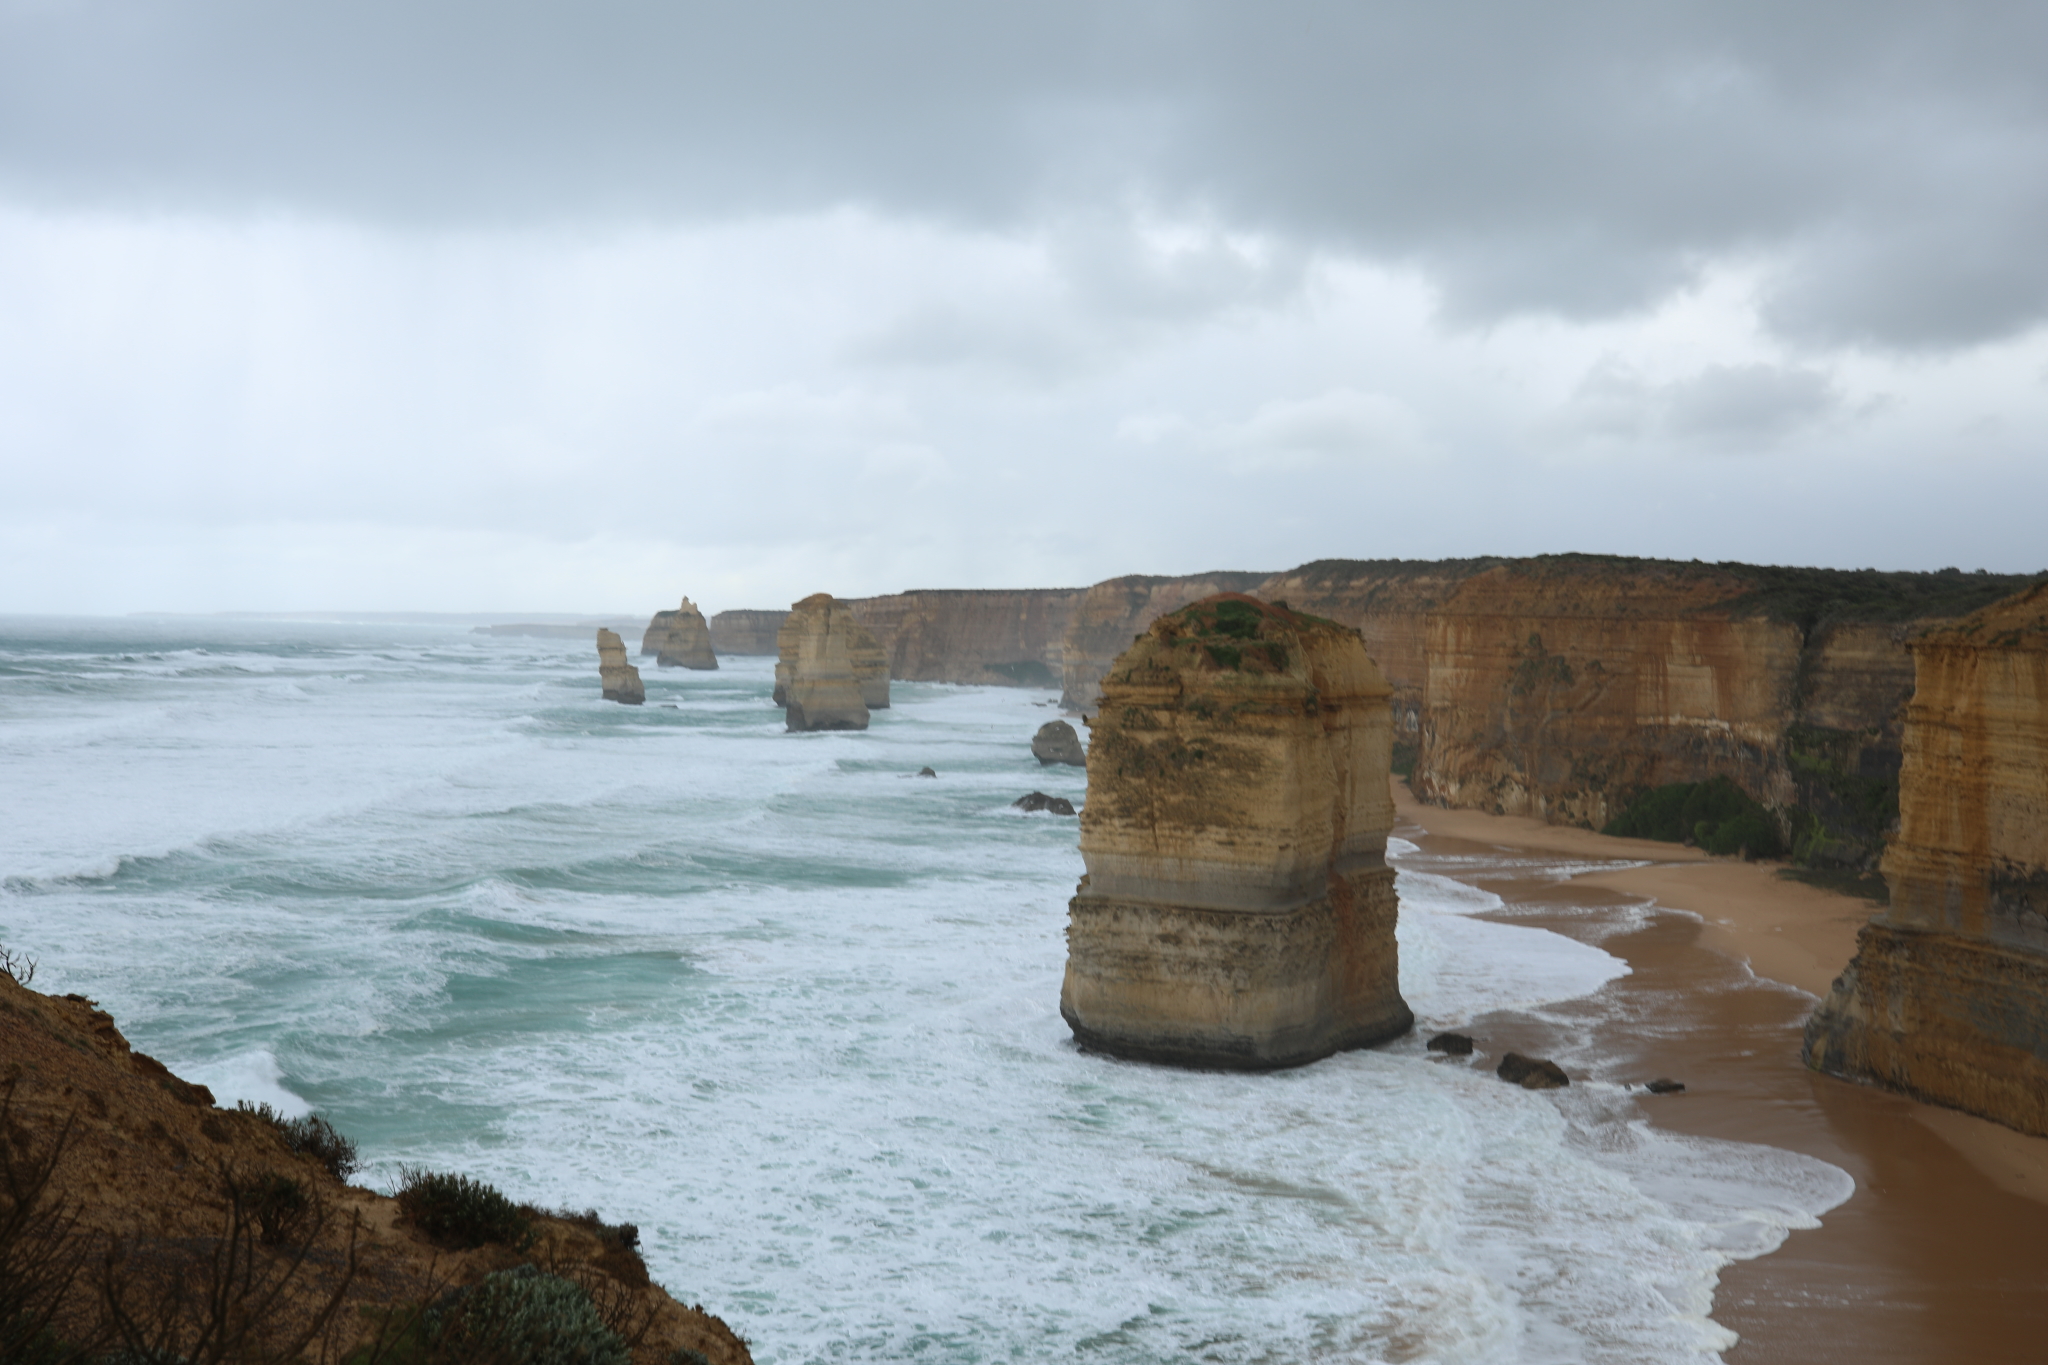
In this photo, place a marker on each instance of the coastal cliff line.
(1947, 996)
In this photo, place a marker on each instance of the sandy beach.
(1942, 1252)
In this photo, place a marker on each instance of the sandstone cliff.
(746, 632)
(1110, 615)
(686, 642)
(1238, 910)
(1947, 998)
(152, 1186)
(1006, 637)
(621, 681)
(814, 676)
(656, 634)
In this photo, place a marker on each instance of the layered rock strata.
(814, 677)
(746, 631)
(656, 634)
(1057, 742)
(686, 643)
(1947, 997)
(1238, 911)
(1113, 613)
(620, 679)
(1001, 636)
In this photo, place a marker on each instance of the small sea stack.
(1238, 910)
(1947, 997)
(686, 641)
(1057, 742)
(620, 679)
(814, 676)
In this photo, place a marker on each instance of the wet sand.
(1940, 1255)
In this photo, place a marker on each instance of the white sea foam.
(797, 1018)
(251, 1077)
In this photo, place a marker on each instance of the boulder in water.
(1057, 742)
(1057, 805)
(621, 681)
(1451, 1044)
(1531, 1073)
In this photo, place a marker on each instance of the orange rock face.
(685, 642)
(619, 679)
(814, 677)
(1238, 910)
(1947, 998)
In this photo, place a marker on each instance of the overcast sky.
(450, 306)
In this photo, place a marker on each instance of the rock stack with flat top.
(684, 641)
(1947, 997)
(814, 677)
(621, 680)
(1238, 910)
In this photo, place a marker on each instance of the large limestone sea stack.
(680, 639)
(1238, 910)
(1947, 998)
(815, 676)
(620, 679)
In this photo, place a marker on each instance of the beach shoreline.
(1940, 1252)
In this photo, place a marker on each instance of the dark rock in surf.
(1056, 805)
(1452, 1044)
(1531, 1073)
(1056, 742)
(1664, 1085)
(926, 772)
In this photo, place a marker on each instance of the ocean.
(793, 1011)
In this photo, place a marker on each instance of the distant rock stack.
(686, 643)
(814, 678)
(621, 680)
(1947, 998)
(1057, 742)
(656, 634)
(1238, 910)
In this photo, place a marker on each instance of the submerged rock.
(1664, 1085)
(1058, 805)
(1238, 909)
(1453, 1044)
(1057, 742)
(621, 681)
(814, 677)
(1531, 1073)
(686, 642)
(926, 772)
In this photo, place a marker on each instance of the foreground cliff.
(1238, 910)
(1947, 998)
(140, 1221)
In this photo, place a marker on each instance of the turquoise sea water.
(795, 1012)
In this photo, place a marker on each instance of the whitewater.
(794, 1012)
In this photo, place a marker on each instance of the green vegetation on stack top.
(1715, 814)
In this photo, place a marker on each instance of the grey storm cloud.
(1883, 166)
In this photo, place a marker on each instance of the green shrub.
(310, 1136)
(526, 1316)
(460, 1213)
(1715, 814)
(280, 1205)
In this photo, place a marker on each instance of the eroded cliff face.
(1947, 998)
(652, 639)
(1238, 910)
(686, 643)
(869, 664)
(1556, 690)
(620, 680)
(814, 676)
(1107, 617)
(746, 631)
(1005, 637)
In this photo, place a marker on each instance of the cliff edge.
(1947, 996)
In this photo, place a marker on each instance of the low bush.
(460, 1213)
(310, 1136)
(1715, 814)
(523, 1315)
